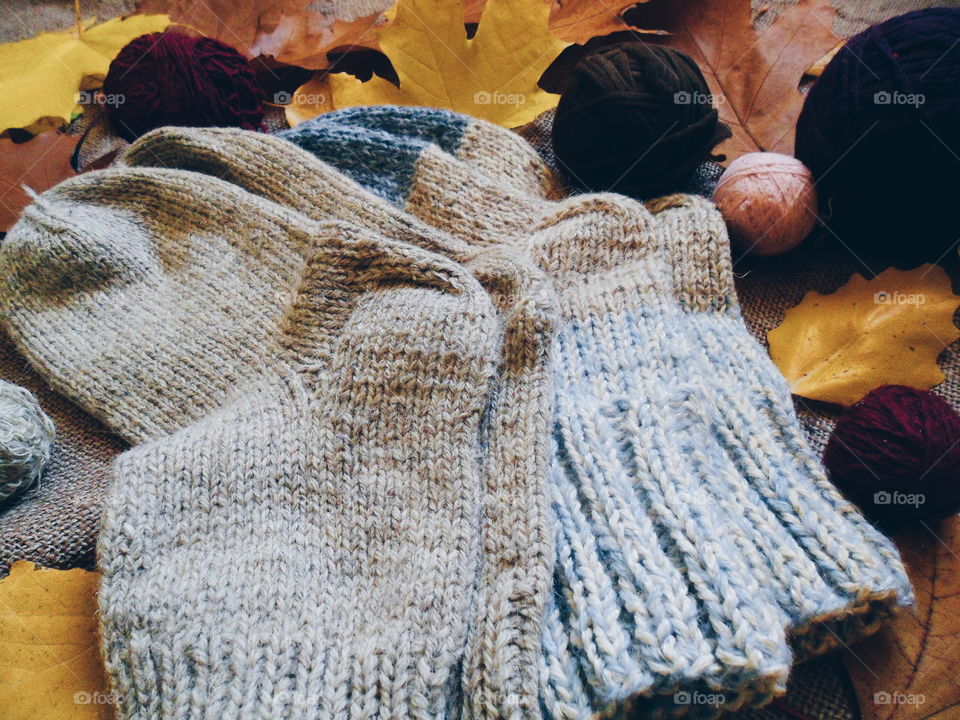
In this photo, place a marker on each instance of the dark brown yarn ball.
(896, 454)
(635, 119)
(175, 79)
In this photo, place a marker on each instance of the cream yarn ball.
(768, 201)
(26, 439)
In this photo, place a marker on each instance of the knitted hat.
(698, 539)
(222, 271)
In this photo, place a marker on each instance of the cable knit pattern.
(700, 547)
(216, 332)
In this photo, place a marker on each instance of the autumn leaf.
(816, 70)
(889, 330)
(576, 21)
(287, 31)
(493, 75)
(40, 77)
(39, 163)
(309, 100)
(753, 74)
(908, 671)
(49, 650)
(290, 32)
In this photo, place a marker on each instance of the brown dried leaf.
(287, 31)
(908, 671)
(576, 21)
(753, 74)
(39, 164)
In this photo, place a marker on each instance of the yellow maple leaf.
(307, 101)
(889, 330)
(40, 77)
(492, 76)
(49, 650)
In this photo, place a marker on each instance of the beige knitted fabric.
(501, 677)
(217, 268)
(706, 589)
(324, 525)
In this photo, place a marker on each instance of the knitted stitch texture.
(197, 236)
(698, 539)
(501, 668)
(324, 525)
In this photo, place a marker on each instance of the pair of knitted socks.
(683, 492)
(698, 539)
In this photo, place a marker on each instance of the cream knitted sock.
(310, 550)
(501, 676)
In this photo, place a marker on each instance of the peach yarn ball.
(768, 201)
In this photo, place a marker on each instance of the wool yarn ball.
(26, 439)
(175, 79)
(880, 130)
(768, 201)
(896, 454)
(636, 119)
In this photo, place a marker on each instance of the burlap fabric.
(54, 524)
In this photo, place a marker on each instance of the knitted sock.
(324, 525)
(697, 534)
(501, 671)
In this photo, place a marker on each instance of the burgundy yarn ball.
(175, 79)
(896, 454)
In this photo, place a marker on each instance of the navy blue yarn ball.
(880, 130)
